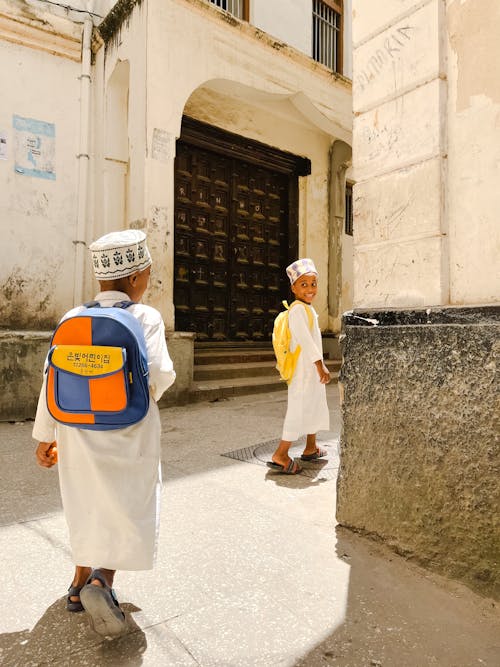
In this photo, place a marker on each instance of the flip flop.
(318, 454)
(106, 617)
(74, 605)
(291, 469)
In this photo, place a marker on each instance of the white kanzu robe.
(110, 480)
(307, 408)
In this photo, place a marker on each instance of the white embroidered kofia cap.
(300, 268)
(120, 254)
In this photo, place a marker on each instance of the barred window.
(327, 33)
(238, 8)
(348, 209)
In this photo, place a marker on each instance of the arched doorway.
(236, 228)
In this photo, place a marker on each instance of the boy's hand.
(323, 372)
(46, 454)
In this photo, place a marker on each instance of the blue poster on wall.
(34, 147)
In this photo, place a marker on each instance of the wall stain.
(26, 302)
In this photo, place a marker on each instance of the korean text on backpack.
(97, 372)
(286, 360)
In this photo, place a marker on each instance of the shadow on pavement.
(60, 637)
(293, 481)
(398, 614)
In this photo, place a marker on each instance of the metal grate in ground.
(325, 469)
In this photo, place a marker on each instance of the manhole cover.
(325, 468)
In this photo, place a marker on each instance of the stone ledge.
(432, 315)
(61, 39)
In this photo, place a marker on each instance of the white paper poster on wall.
(3, 145)
(34, 147)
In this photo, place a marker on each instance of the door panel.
(231, 245)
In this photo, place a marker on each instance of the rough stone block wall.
(181, 349)
(22, 355)
(420, 452)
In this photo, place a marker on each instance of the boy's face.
(306, 287)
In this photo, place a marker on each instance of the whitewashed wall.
(242, 84)
(426, 152)
(474, 150)
(38, 215)
(399, 154)
(347, 38)
(288, 20)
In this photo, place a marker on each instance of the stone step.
(244, 370)
(232, 356)
(231, 345)
(233, 370)
(213, 390)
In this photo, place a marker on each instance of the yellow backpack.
(286, 361)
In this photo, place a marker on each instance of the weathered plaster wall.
(347, 293)
(420, 461)
(245, 83)
(38, 215)
(347, 37)
(427, 114)
(399, 99)
(233, 56)
(127, 51)
(474, 150)
(340, 252)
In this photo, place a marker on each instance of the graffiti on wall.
(391, 48)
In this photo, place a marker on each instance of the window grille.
(238, 8)
(348, 210)
(327, 33)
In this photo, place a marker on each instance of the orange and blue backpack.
(286, 360)
(97, 372)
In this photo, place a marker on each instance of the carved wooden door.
(231, 245)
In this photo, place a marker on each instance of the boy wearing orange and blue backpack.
(98, 406)
(307, 411)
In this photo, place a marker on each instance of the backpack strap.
(123, 304)
(118, 304)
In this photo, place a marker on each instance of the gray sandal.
(291, 469)
(74, 605)
(318, 454)
(106, 617)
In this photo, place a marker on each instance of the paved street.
(251, 568)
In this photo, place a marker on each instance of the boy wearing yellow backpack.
(307, 411)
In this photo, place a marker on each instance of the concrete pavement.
(251, 567)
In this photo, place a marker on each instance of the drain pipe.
(83, 165)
